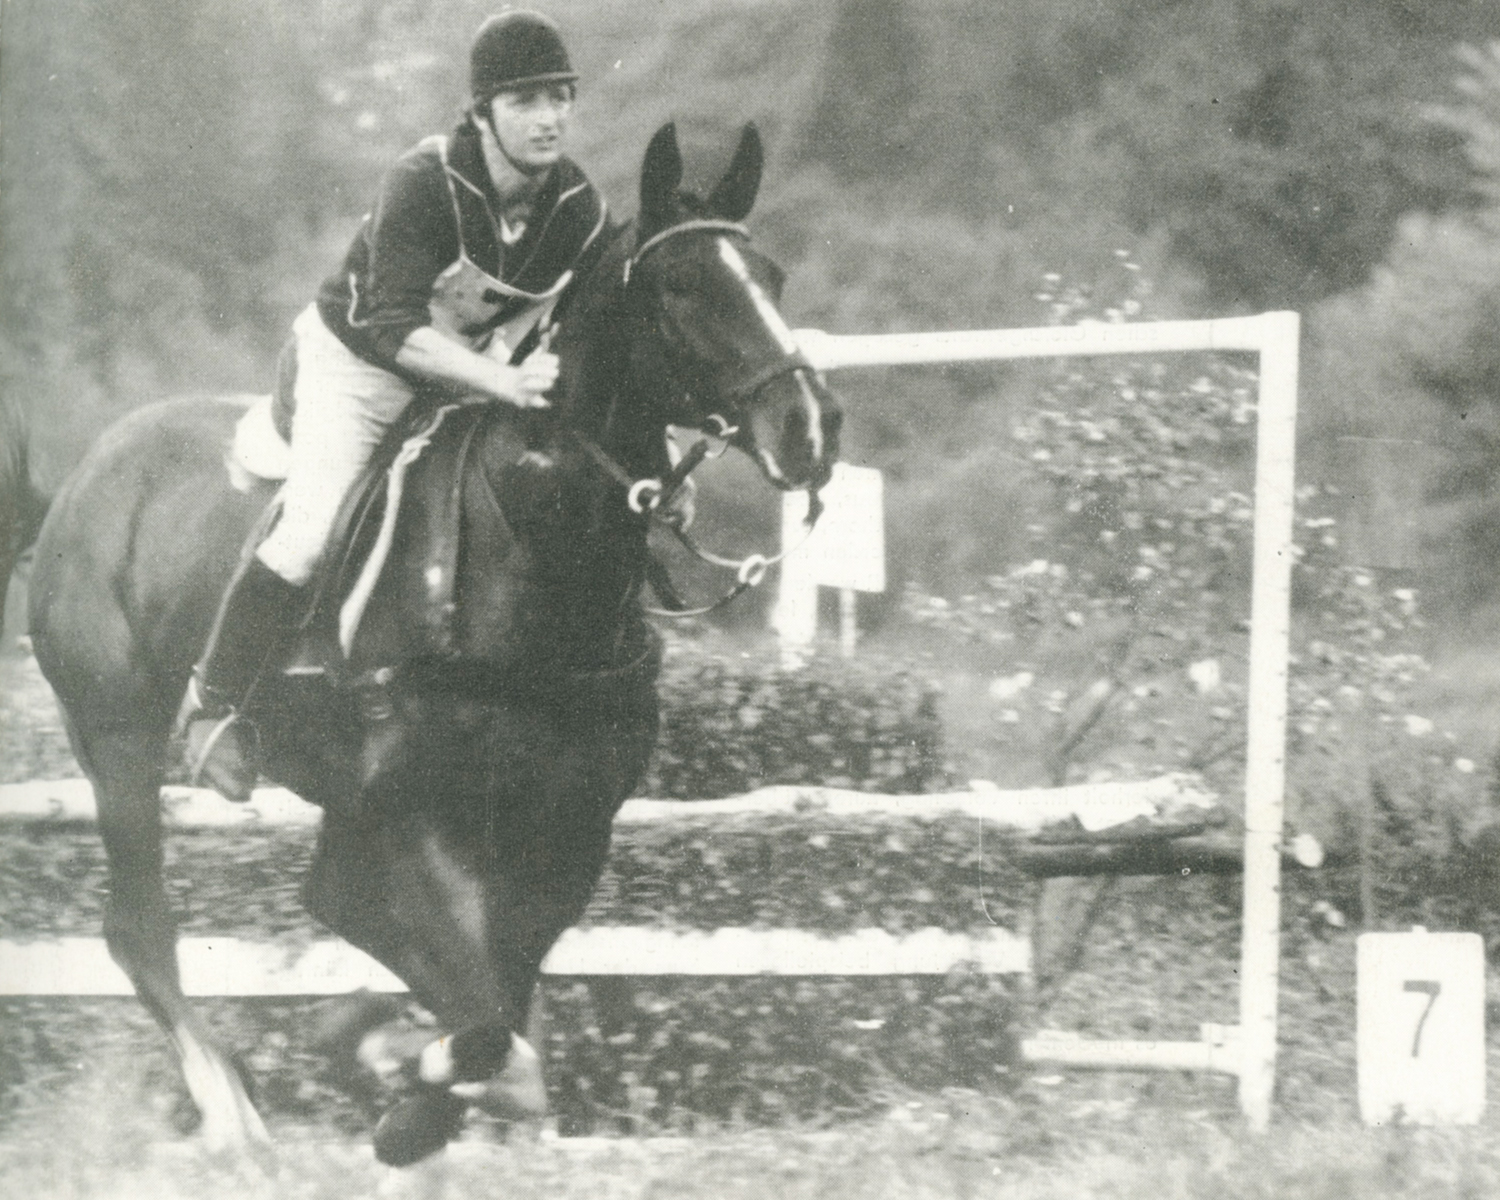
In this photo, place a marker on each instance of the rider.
(472, 238)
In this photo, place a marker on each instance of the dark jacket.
(381, 292)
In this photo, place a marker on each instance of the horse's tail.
(22, 504)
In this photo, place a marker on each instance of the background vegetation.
(175, 180)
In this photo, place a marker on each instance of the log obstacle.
(1150, 827)
(1215, 854)
(1171, 801)
(236, 967)
(1154, 827)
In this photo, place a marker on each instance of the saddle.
(363, 533)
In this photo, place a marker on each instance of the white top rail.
(828, 351)
(1096, 806)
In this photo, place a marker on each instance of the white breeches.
(344, 407)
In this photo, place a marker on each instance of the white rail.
(215, 966)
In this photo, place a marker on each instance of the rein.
(646, 498)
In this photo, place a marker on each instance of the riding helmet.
(514, 49)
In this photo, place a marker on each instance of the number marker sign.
(1421, 1027)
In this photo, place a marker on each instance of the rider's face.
(530, 123)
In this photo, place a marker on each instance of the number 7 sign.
(1421, 1027)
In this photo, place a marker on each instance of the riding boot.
(256, 622)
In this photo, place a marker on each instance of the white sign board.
(846, 550)
(1420, 1041)
(847, 547)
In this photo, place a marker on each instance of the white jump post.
(1249, 1052)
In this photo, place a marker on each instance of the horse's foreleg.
(125, 768)
(405, 895)
(531, 910)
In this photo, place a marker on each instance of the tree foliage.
(1413, 356)
(1126, 626)
(176, 178)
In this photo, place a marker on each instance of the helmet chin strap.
(525, 169)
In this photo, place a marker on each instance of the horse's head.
(716, 344)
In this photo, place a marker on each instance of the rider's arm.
(412, 237)
(433, 355)
(408, 240)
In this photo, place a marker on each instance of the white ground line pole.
(848, 622)
(1265, 765)
(1274, 338)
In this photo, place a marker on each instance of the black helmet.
(514, 49)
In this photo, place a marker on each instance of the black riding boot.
(256, 622)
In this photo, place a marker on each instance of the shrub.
(1129, 623)
(733, 724)
(767, 1051)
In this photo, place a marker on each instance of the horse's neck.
(599, 400)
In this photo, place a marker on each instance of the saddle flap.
(412, 496)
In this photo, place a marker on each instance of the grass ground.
(954, 1145)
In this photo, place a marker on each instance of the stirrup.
(198, 705)
(228, 759)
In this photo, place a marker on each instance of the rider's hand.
(526, 386)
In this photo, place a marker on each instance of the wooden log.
(1211, 855)
(1169, 801)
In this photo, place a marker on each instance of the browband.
(671, 231)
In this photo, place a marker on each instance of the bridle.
(651, 498)
(671, 231)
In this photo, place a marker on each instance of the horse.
(22, 504)
(469, 756)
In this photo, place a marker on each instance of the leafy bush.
(1129, 625)
(733, 724)
(765, 1051)
(823, 874)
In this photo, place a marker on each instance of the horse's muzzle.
(792, 430)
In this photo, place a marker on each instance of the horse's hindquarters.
(133, 556)
(130, 563)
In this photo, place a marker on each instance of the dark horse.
(471, 764)
(22, 506)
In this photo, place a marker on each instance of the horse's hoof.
(418, 1126)
(517, 1093)
(185, 1116)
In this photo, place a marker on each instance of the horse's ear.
(734, 196)
(660, 175)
